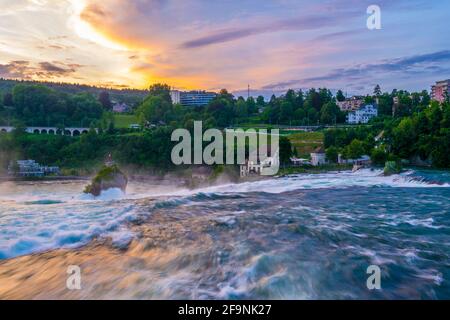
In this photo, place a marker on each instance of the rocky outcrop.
(108, 177)
(392, 167)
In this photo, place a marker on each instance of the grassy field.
(303, 142)
(124, 120)
(306, 142)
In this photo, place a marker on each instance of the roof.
(319, 150)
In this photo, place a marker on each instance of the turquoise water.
(298, 237)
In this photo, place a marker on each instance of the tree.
(404, 107)
(377, 90)
(332, 154)
(354, 150)
(435, 116)
(85, 108)
(8, 99)
(312, 100)
(104, 100)
(162, 90)
(299, 115)
(300, 100)
(154, 109)
(425, 98)
(19, 129)
(404, 137)
(329, 113)
(325, 96)
(312, 116)
(222, 110)
(340, 96)
(441, 152)
(40, 105)
(290, 97)
(286, 112)
(369, 100)
(378, 156)
(224, 94)
(241, 108)
(251, 106)
(285, 150)
(385, 103)
(260, 103)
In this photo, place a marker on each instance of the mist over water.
(297, 237)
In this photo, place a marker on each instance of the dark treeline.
(64, 91)
(37, 105)
(41, 105)
(312, 107)
(294, 108)
(83, 154)
(298, 108)
(149, 149)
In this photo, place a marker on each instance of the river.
(309, 236)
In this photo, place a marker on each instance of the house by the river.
(30, 168)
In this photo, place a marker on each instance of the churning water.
(297, 237)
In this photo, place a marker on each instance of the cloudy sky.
(206, 44)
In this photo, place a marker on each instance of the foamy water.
(361, 178)
(40, 216)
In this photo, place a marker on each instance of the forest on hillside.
(413, 127)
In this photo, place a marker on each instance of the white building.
(363, 114)
(363, 160)
(299, 161)
(258, 166)
(192, 98)
(176, 96)
(318, 157)
(30, 168)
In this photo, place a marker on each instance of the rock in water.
(108, 177)
(392, 167)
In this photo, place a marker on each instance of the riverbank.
(194, 177)
(45, 178)
(314, 169)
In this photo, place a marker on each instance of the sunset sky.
(203, 44)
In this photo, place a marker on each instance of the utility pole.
(248, 92)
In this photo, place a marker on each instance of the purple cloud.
(25, 70)
(413, 64)
(297, 24)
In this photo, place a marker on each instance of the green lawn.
(124, 120)
(306, 142)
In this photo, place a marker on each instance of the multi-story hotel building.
(192, 98)
(440, 90)
(351, 104)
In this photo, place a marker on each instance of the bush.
(332, 154)
(392, 167)
(378, 156)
